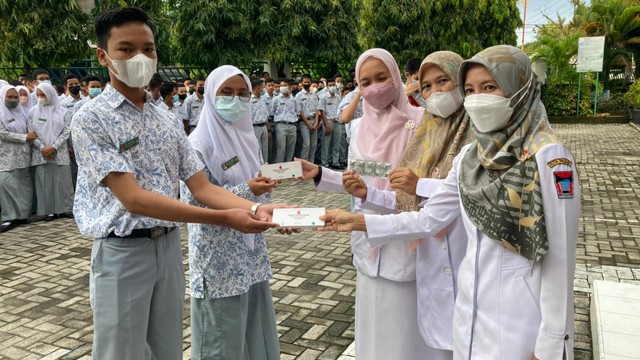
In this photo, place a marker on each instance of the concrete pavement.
(44, 266)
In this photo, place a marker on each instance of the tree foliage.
(42, 33)
(415, 28)
(227, 31)
(163, 17)
(557, 43)
(619, 22)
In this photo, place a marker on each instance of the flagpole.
(524, 23)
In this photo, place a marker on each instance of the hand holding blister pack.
(371, 168)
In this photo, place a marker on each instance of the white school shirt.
(437, 262)
(393, 261)
(506, 308)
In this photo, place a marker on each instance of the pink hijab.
(382, 134)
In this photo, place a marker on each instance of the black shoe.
(49, 217)
(22, 221)
(65, 216)
(6, 226)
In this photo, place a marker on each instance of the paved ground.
(45, 314)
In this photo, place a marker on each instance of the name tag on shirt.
(43, 120)
(128, 144)
(10, 121)
(234, 160)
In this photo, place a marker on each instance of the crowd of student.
(38, 167)
(465, 251)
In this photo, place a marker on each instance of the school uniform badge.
(564, 184)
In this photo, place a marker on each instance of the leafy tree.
(217, 33)
(415, 28)
(42, 33)
(619, 22)
(161, 13)
(238, 32)
(557, 43)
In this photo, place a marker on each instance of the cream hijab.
(437, 141)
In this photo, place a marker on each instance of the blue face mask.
(45, 81)
(232, 110)
(176, 99)
(93, 92)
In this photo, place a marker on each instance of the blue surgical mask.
(233, 110)
(93, 92)
(45, 82)
(176, 99)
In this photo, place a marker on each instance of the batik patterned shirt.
(110, 135)
(219, 254)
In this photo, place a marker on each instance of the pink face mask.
(379, 95)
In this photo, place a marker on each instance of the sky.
(536, 9)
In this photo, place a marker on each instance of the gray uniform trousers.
(263, 140)
(286, 141)
(332, 144)
(309, 140)
(136, 291)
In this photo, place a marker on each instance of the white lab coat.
(506, 308)
(386, 326)
(437, 261)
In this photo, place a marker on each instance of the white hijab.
(54, 114)
(26, 107)
(18, 117)
(220, 141)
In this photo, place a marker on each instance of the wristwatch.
(254, 208)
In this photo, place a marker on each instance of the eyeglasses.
(228, 95)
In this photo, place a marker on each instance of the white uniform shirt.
(394, 261)
(506, 308)
(437, 262)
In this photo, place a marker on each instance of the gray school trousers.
(286, 141)
(136, 292)
(241, 327)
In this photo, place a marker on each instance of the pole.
(579, 83)
(524, 23)
(595, 103)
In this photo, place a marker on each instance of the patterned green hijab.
(499, 182)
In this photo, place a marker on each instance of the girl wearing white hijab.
(25, 98)
(16, 191)
(50, 158)
(232, 315)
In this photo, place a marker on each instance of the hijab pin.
(410, 124)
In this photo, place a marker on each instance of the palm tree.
(619, 22)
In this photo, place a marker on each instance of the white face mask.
(444, 104)
(135, 72)
(42, 101)
(490, 113)
(233, 110)
(284, 90)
